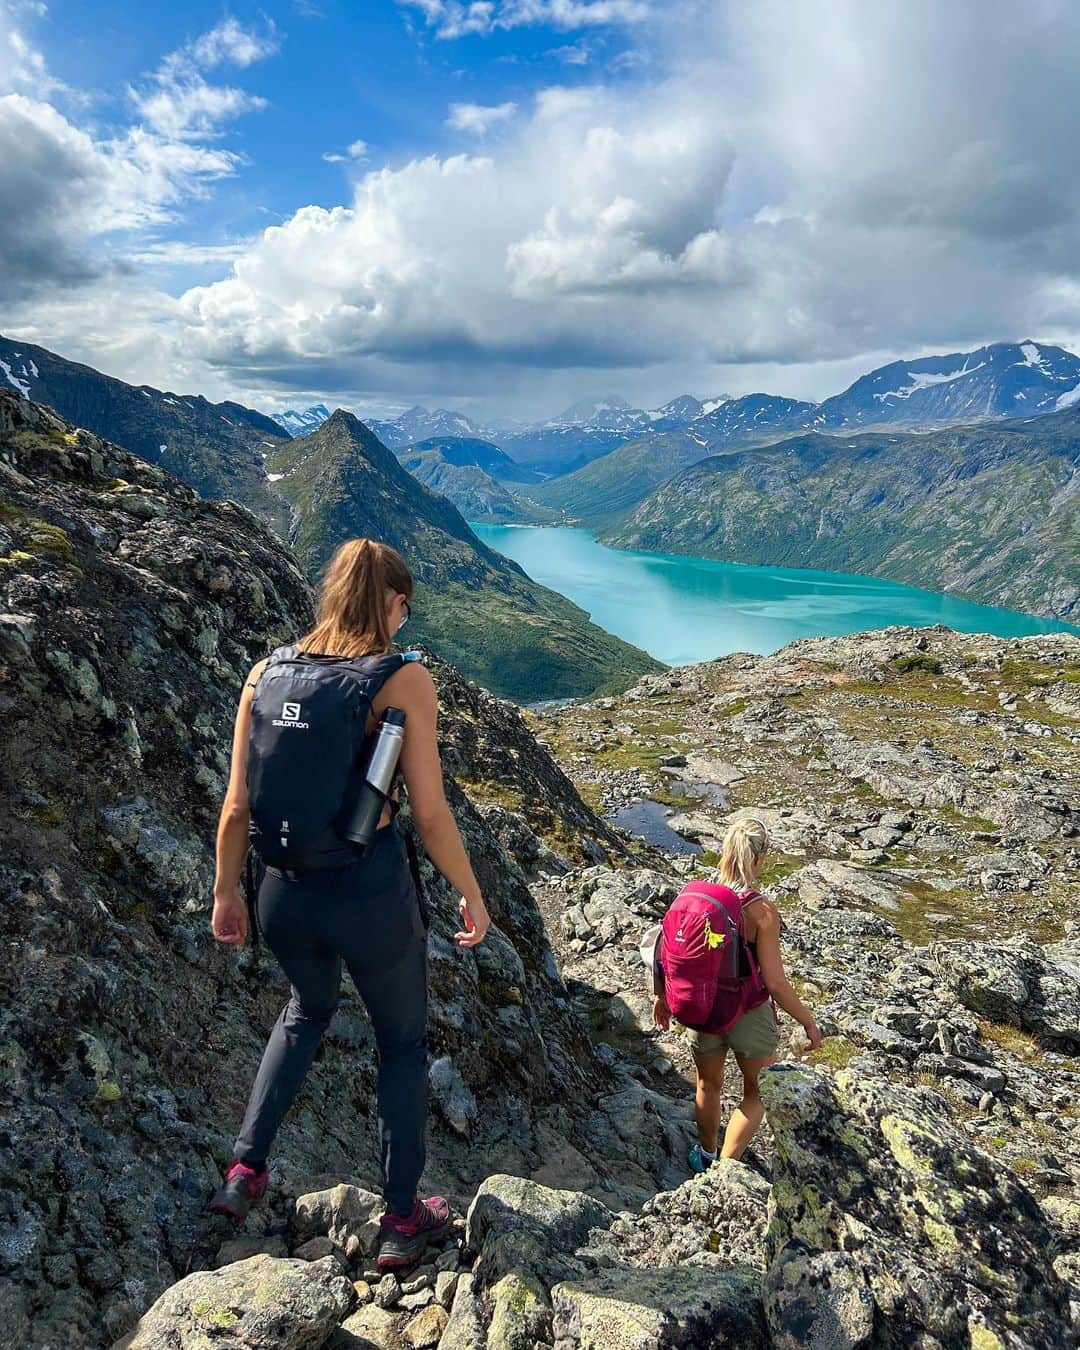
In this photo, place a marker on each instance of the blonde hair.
(351, 618)
(745, 844)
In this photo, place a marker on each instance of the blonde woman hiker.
(718, 972)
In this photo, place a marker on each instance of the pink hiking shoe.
(242, 1188)
(403, 1237)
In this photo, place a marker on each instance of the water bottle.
(376, 776)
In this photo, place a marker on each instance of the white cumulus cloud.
(64, 188)
(476, 118)
(784, 194)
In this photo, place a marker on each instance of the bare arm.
(421, 768)
(767, 939)
(229, 921)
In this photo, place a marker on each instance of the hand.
(813, 1034)
(229, 921)
(661, 1013)
(475, 922)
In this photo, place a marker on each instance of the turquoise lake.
(683, 610)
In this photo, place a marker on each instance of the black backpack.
(307, 739)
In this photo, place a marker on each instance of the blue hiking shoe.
(697, 1160)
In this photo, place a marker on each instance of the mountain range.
(1004, 379)
(217, 448)
(299, 423)
(932, 471)
(480, 610)
(472, 605)
(990, 510)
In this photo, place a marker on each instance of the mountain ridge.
(990, 510)
(473, 605)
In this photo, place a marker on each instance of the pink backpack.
(711, 977)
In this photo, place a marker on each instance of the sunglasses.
(408, 614)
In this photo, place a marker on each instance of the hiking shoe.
(403, 1237)
(242, 1188)
(697, 1160)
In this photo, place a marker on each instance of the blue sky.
(341, 73)
(506, 205)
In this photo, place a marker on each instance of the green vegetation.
(904, 665)
(835, 1051)
(472, 606)
(897, 504)
(49, 539)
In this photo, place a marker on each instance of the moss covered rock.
(874, 1188)
(268, 1302)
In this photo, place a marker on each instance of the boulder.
(520, 1226)
(269, 1302)
(1017, 984)
(948, 1242)
(686, 1306)
(464, 1330)
(817, 1300)
(339, 1213)
(425, 1329)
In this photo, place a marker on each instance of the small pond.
(649, 820)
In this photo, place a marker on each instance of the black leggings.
(367, 914)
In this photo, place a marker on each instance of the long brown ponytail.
(351, 619)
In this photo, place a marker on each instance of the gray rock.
(864, 1168)
(445, 1286)
(817, 1301)
(465, 1328)
(370, 1328)
(520, 1226)
(265, 1301)
(1015, 983)
(339, 1213)
(455, 1099)
(387, 1291)
(645, 1309)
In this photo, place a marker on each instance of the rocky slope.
(475, 607)
(131, 609)
(991, 512)
(480, 611)
(916, 1184)
(217, 448)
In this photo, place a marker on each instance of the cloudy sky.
(505, 205)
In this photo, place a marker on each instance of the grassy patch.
(1012, 1040)
(1023, 674)
(48, 539)
(952, 816)
(922, 661)
(835, 1051)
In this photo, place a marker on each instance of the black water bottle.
(376, 776)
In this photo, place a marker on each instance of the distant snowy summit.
(1006, 379)
(300, 423)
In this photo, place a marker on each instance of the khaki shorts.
(754, 1036)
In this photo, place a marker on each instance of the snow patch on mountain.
(923, 379)
(21, 385)
(1068, 399)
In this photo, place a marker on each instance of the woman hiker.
(364, 910)
(754, 1037)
